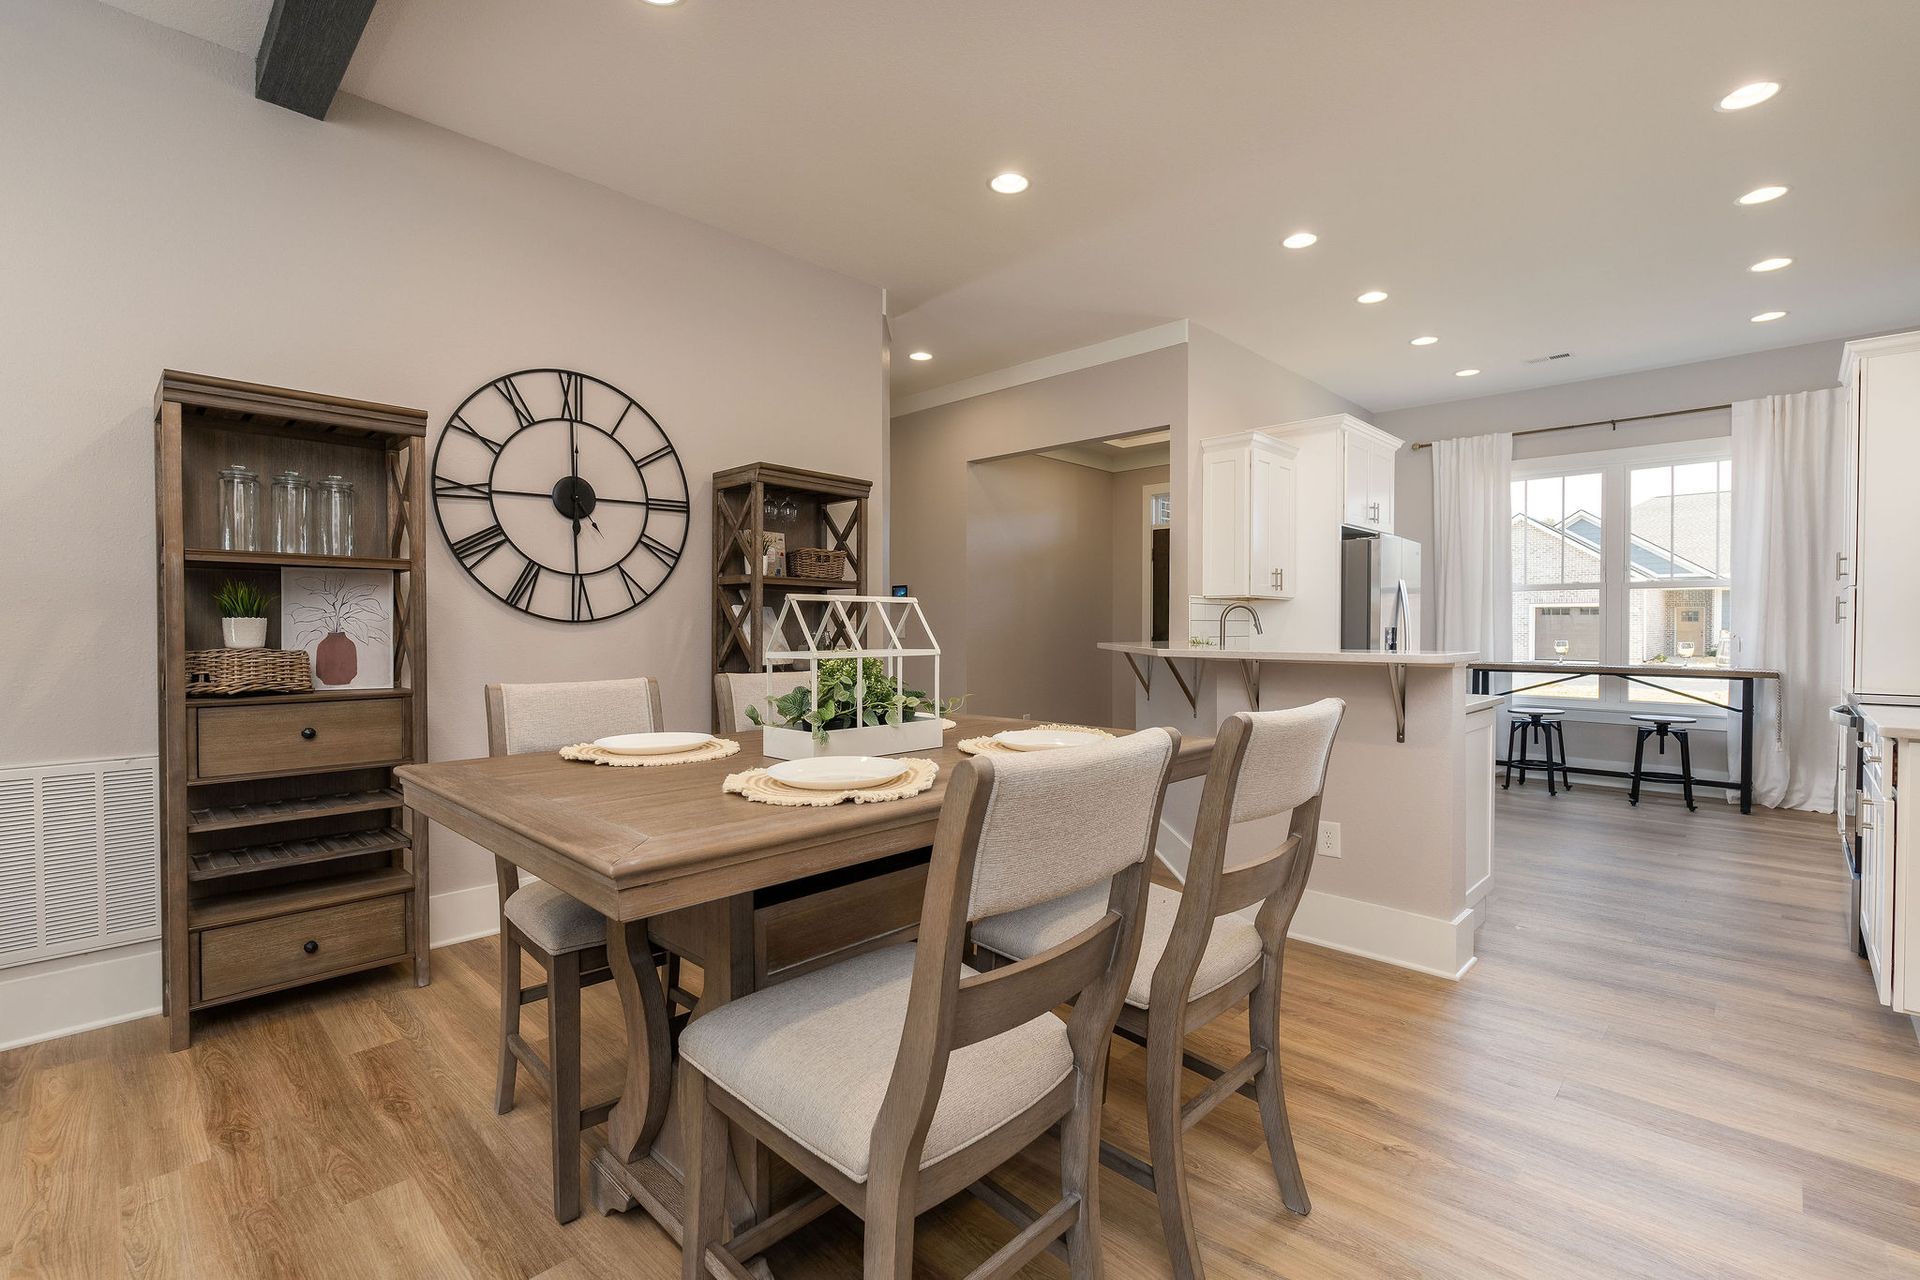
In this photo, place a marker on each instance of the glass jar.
(239, 508)
(292, 512)
(333, 517)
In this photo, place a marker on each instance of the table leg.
(1746, 745)
(643, 1161)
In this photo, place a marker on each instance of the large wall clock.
(560, 495)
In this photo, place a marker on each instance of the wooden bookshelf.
(287, 855)
(830, 512)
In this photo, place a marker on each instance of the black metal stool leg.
(1546, 749)
(1560, 732)
(1639, 755)
(1686, 767)
(1513, 734)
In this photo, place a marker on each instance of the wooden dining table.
(663, 844)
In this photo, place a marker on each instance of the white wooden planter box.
(924, 734)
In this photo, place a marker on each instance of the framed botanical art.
(343, 618)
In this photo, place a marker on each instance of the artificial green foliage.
(882, 699)
(242, 600)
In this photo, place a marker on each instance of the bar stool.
(1544, 726)
(1662, 726)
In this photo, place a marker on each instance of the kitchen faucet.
(1223, 621)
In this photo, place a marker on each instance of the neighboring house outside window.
(1655, 591)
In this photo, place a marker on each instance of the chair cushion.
(1233, 946)
(813, 1058)
(554, 921)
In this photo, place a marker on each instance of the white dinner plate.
(837, 773)
(652, 744)
(1045, 739)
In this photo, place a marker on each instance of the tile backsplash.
(1203, 623)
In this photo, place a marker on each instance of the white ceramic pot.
(244, 633)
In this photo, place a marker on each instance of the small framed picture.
(343, 618)
(900, 589)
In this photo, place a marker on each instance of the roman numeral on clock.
(582, 605)
(520, 595)
(665, 504)
(510, 392)
(460, 489)
(635, 592)
(573, 395)
(476, 547)
(457, 423)
(665, 554)
(655, 456)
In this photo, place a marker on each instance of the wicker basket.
(231, 671)
(822, 566)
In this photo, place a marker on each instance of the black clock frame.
(571, 487)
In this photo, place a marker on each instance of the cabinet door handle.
(309, 733)
(1839, 609)
(1280, 579)
(310, 946)
(1840, 559)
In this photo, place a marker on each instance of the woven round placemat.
(718, 749)
(988, 747)
(759, 786)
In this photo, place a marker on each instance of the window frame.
(1616, 467)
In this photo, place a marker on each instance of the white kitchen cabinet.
(1366, 476)
(1876, 588)
(1249, 517)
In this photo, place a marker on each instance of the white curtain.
(1789, 509)
(1472, 565)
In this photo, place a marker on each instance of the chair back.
(735, 691)
(1265, 763)
(526, 718)
(1017, 830)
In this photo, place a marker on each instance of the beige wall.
(930, 453)
(157, 216)
(1040, 557)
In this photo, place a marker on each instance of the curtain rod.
(1613, 423)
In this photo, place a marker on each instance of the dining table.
(647, 847)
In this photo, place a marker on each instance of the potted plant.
(861, 710)
(243, 614)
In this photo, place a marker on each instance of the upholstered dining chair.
(735, 691)
(565, 937)
(1200, 956)
(896, 1079)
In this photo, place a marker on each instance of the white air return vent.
(79, 858)
(1558, 355)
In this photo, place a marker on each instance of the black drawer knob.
(309, 734)
(309, 946)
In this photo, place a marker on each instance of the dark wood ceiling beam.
(305, 51)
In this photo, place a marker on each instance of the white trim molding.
(1425, 944)
(1171, 334)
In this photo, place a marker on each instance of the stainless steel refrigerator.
(1380, 593)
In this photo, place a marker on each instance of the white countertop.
(1325, 658)
(1481, 701)
(1891, 719)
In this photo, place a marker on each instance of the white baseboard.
(72, 994)
(1425, 944)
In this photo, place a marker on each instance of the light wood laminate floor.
(1666, 1064)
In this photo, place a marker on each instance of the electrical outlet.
(1329, 846)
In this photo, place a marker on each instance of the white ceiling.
(1523, 178)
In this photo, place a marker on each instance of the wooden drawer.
(264, 954)
(297, 737)
(804, 933)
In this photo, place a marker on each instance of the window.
(1160, 509)
(1623, 557)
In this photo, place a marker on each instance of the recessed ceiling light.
(1300, 240)
(920, 355)
(1766, 316)
(1372, 296)
(663, 4)
(1466, 373)
(1425, 340)
(1749, 95)
(1771, 264)
(1760, 195)
(1009, 184)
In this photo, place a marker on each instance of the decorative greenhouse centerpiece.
(852, 698)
